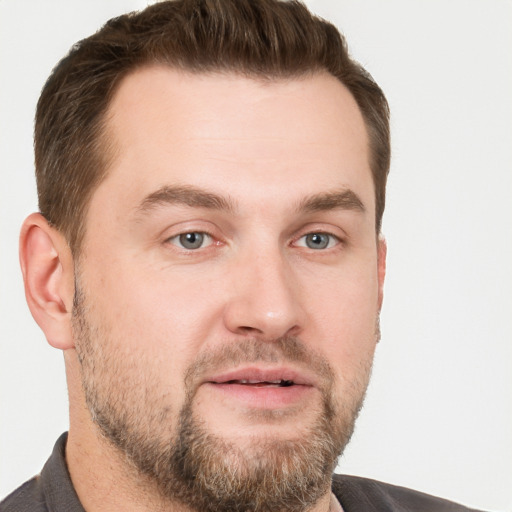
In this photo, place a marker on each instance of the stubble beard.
(190, 464)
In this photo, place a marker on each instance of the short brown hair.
(257, 38)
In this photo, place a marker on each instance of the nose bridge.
(265, 297)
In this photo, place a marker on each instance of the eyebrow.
(344, 199)
(185, 195)
(195, 197)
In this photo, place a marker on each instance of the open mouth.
(260, 384)
(267, 388)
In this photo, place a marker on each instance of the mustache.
(286, 349)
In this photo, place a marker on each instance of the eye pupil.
(191, 240)
(317, 240)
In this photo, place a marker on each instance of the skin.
(265, 149)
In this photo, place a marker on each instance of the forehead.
(311, 109)
(235, 134)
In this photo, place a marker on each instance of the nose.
(264, 299)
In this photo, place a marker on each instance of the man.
(211, 178)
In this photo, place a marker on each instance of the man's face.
(229, 286)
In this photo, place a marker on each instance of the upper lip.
(261, 374)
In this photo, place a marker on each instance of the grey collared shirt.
(53, 491)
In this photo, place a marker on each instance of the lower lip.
(263, 397)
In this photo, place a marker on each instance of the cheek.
(163, 317)
(350, 341)
(152, 324)
(344, 318)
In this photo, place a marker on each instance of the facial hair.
(188, 463)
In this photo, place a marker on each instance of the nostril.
(245, 329)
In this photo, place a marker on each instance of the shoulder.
(51, 491)
(27, 497)
(362, 494)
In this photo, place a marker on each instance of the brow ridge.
(196, 197)
(344, 199)
(187, 195)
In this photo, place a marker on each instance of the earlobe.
(48, 274)
(381, 266)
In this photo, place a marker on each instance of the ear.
(48, 274)
(382, 250)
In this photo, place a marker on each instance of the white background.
(439, 412)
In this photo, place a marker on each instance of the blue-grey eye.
(318, 241)
(192, 240)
